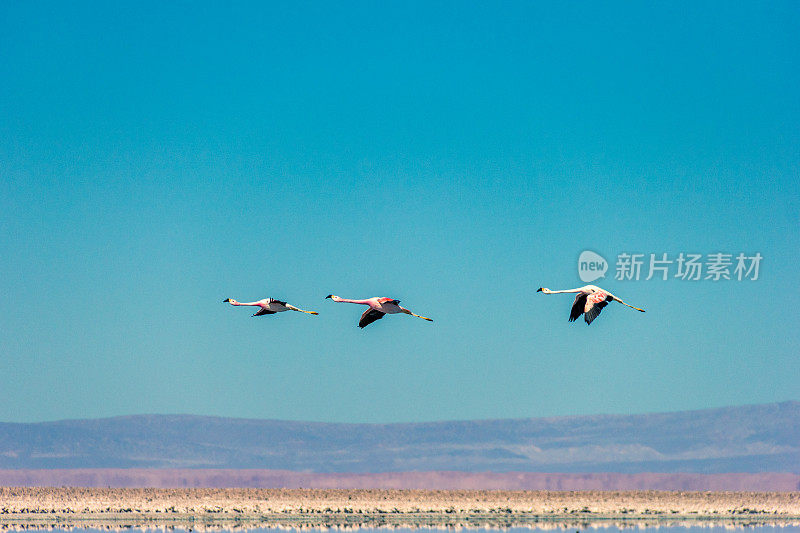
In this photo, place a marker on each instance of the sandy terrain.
(331, 507)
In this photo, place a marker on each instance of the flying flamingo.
(590, 300)
(377, 308)
(269, 306)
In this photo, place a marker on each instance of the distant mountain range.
(749, 439)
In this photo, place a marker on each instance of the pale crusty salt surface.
(310, 508)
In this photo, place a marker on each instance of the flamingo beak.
(226, 300)
(328, 296)
(539, 289)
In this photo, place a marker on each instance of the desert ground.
(323, 507)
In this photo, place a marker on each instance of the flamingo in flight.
(590, 300)
(269, 306)
(377, 308)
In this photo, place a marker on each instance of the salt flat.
(332, 506)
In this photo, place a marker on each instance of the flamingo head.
(329, 296)
(543, 289)
(226, 300)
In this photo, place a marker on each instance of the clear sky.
(156, 158)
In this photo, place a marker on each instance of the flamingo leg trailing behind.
(589, 301)
(378, 307)
(269, 306)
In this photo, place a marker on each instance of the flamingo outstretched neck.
(548, 291)
(234, 302)
(347, 300)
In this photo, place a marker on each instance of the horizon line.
(439, 421)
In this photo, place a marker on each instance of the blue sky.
(156, 159)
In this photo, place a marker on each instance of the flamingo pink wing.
(594, 304)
